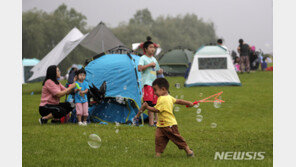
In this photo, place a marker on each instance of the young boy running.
(167, 128)
(149, 68)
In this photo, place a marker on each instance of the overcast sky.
(251, 20)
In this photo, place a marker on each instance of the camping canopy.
(175, 62)
(57, 54)
(99, 40)
(212, 66)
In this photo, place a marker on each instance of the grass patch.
(244, 123)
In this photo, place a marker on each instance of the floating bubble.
(217, 104)
(213, 125)
(94, 141)
(198, 111)
(177, 109)
(126, 149)
(117, 123)
(200, 95)
(176, 97)
(117, 130)
(124, 88)
(177, 85)
(182, 97)
(119, 99)
(199, 118)
(71, 100)
(196, 105)
(84, 133)
(134, 121)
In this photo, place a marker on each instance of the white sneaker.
(84, 123)
(80, 124)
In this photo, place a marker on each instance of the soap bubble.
(177, 85)
(94, 141)
(198, 111)
(84, 133)
(176, 97)
(119, 99)
(199, 118)
(117, 130)
(200, 95)
(196, 105)
(177, 109)
(124, 87)
(217, 104)
(117, 123)
(182, 97)
(213, 125)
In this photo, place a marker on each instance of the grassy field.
(244, 124)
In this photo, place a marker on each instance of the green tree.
(43, 31)
(182, 31)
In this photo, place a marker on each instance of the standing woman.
(50, 106)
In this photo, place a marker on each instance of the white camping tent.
(212, 66)
(57, 54)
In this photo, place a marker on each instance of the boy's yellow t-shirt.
(165, 106)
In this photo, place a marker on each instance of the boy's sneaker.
(191, 155)
(42, 121)
(84, 123)
(80, 124)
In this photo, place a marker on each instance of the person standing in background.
(244, 50)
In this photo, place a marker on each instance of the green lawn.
(244, 124)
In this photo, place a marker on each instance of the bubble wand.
(205, 100)
(78, 87)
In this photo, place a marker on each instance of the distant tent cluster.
(115, 90)
(99, 40)
(211, 65)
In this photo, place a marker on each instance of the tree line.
(42, 31)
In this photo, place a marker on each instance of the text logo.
(239, 156)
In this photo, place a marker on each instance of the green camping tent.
(175, 62)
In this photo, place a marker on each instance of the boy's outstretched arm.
(144, 107)
(184, 102)
(152, 109)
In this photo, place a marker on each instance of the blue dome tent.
(122, 98)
